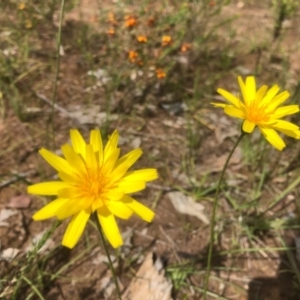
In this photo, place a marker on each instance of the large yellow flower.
(93, 178)
(261, 108)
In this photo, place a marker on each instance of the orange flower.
(142, 39)
(185, 47)
(166, 40)
(111, 31)
(212, 3)
(160, 73)
(132, 55)
(130, 21)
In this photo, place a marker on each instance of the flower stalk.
(99, 229)
(213, 217)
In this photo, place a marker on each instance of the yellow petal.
(70, 192)
(285, 110)
(218, 104)
(74, 159)
(250, 89)
(292, 133)
(109, 227)
(272, 137)
(91, 161)
(229, 97)
(132, 187)
(75, 228)
(111, 144)
(72, 207)
(56, 162)
(119, 209)
(78, 142)
(49, 210)
(110, 161)
(234, 112)
(248, 126)
(47, 188)
(96, 204)
(118, 173)
(67, 178)
(269, 98)
(130, 158)
(243, 88)
(114, 194)
(287, 128)
(96, 140)
(97, 143)
(141, 175)
(261, 93)
(281, 124)
(278, 100)
(141, 210)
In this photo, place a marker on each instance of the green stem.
(107, 254)
(31, 255)
(62, 8)
(215, 205)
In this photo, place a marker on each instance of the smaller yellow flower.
(166, 40)
(261, 108)
(142, 39)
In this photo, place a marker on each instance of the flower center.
(257, 113)
(93, 184)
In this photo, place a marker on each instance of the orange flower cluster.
(130, 21)
(111, 31)
(132, 56)
(185, 47)
(142, 39)
(166, 40)
(160, 73)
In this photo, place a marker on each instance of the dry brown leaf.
(215, 164)
(149, 282)
(187, 205)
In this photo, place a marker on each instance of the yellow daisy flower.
(93, 178)
(261, 108)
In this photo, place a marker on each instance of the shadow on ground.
(282, 287)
